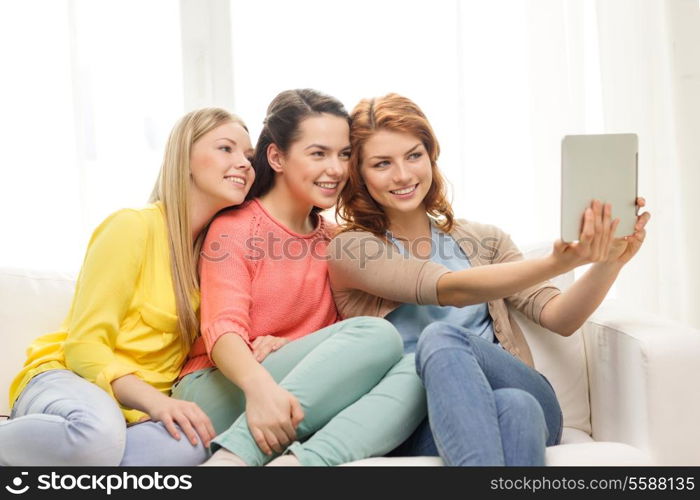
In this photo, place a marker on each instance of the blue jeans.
(485, 406)
(62, 419)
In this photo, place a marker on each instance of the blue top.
(411, 319)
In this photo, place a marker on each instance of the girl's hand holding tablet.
(623, 249)
(595, 241)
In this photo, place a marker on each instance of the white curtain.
(89, 92)
(100, 83)
(650, 67)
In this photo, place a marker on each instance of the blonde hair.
(172, 189)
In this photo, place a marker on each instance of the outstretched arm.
(485, 283)
(565, 313)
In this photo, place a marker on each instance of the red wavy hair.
(356, 208)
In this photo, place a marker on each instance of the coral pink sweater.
(259, 278)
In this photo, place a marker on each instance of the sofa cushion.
(577, 448)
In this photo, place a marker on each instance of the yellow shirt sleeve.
(103, 294)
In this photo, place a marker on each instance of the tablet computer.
(601, 167)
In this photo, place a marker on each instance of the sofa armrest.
(643, 373)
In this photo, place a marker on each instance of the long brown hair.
(356, 208)
(171, 189)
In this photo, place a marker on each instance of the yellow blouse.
(123, 317)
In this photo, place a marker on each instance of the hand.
(623, 249)
(187, 415)
(273, 415)
(595, 241)
(265, 344)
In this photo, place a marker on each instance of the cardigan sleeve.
(360, 260)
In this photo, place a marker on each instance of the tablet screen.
(601, 167)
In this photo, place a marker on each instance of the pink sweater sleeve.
(226, 273)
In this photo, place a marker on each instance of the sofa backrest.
(33, 303)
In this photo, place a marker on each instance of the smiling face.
(397, 171)
(315, 167)
(220, 165)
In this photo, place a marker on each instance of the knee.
(435, 337)
(380, 336)
(95, 442)
(150, 444)
(431, 337)
(523, 406)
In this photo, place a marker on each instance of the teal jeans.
(360, 395)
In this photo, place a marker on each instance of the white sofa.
(627, 381)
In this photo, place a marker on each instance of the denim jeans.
(62, 419)
(485, 406)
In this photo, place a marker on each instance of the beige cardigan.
(371, 277)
